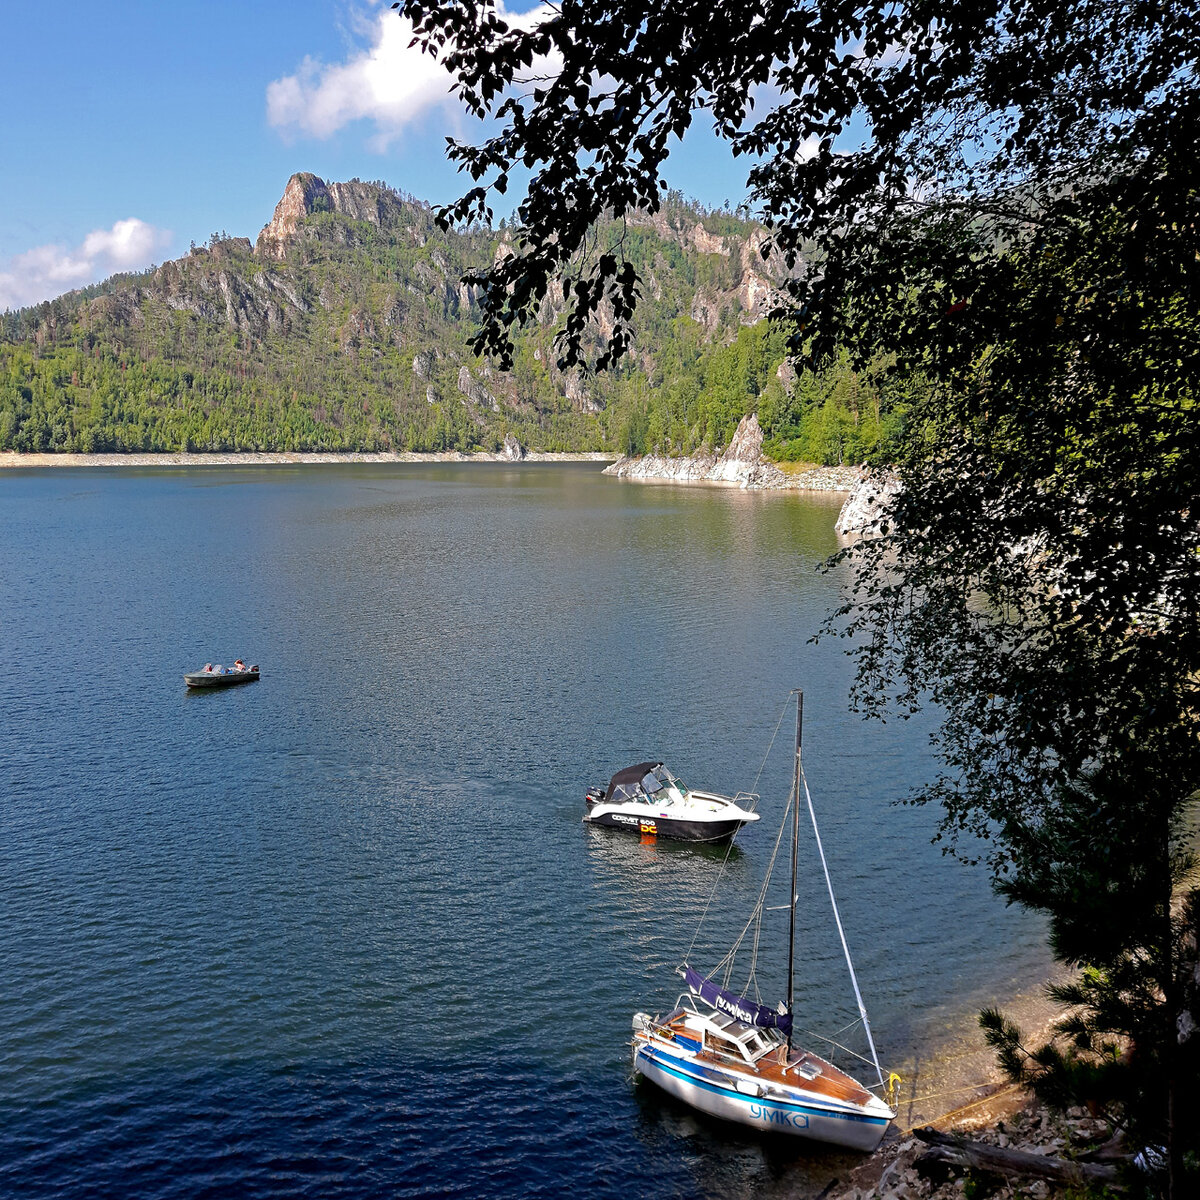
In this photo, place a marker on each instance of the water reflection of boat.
(728, 1054)
(621, 853)
(647, 799)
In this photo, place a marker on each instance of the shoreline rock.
(1010, 1120)
(741, 464)
(871, 496)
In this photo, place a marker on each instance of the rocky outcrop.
(512, 449)
(740, 464)
(307, 193)
(756, 294)
(303, 194)
(423, 363)
(709, 243)
(475, 391)
(867, 503)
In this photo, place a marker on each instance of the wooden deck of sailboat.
(827, 1080)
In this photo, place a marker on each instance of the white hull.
(737, 1096)
(690, 817)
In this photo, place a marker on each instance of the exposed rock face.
(708, 243)
(867, 503)
(746, 444)
(475, 391)
(513, 450)
(706, 310)
(575, 389)
(302, 195)
(741, 463)
(307, 193)
(756, 294)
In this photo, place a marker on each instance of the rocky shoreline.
(1006, 1147)
(741, 464)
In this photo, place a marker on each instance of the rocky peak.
(307, 193)
(708, 243)
(304, 193)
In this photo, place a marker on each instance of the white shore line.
(822, 480)
(811, 482)
(15, 460)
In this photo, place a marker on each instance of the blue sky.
(131, 129)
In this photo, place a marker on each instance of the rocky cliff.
(741, 463)
(345, 326)
(307, 194)
(867, 503)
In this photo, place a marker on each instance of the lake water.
(342, 932)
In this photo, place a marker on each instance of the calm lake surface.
(342, 932)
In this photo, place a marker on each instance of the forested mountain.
(345, 327)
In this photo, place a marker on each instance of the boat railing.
(741, 799)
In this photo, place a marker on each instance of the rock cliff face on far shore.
(864, 505)
(741, 463)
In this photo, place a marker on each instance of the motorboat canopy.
(642, 781)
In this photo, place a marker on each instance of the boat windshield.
(662, 778)
(651, 783)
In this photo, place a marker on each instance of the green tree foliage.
(1039, 577)
(1010, 261)
(1107, 875)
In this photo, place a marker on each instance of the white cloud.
(392, 84)
(48, 271)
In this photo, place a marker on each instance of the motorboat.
(647, 799)
(726, 1053)
(219, 676)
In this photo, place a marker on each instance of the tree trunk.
(948, 1148)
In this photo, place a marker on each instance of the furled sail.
(737, 1007)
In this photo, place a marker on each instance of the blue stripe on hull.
(855, 1130)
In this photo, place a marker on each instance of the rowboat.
(216, 677)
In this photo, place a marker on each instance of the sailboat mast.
(795, 844)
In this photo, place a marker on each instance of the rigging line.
(967, 1107)
(762, 765)
(729, 848)
(848, 1025)
(970, 1087)
(862, 1008)
(728, 959)
(761, 907)
(822, 1037)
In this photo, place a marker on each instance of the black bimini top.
(629, 778)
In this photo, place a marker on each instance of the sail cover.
(737, 1007)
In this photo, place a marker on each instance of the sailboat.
(731, 1056)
